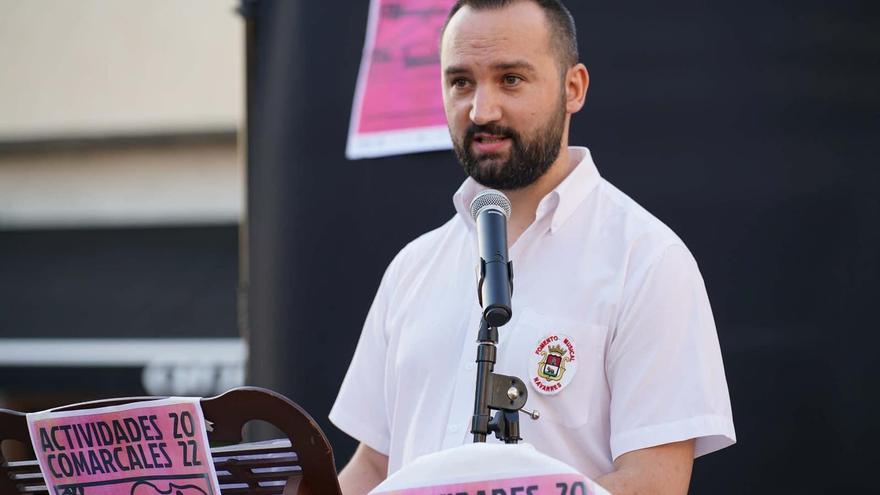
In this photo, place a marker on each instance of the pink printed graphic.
(147, 448)
(553, 484)
(402, 89)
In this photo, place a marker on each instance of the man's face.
(503, 94)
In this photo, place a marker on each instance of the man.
(612, 327)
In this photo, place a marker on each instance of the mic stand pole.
(506, 395)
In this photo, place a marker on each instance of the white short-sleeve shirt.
(612, 332)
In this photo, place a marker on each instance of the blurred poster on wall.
(398, 107)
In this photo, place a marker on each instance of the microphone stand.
(504, 394)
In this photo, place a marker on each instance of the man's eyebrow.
(514, 65)
(455, 70)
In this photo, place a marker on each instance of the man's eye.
(512, 80)
(459, 83)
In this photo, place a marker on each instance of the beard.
(529, 157)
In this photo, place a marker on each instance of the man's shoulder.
(637, 230)
(650, 256)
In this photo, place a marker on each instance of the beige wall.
(170, 184)
(92, 69)
(98, 67)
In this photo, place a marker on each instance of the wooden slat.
(268, 446)
(272, 476)
(279, 469)
(26, 476)
(258, 462)
(34, 489)
(259, 477)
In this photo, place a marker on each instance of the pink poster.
(155, 447)
(398, 106)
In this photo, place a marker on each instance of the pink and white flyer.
(488, 469)
(398, 106)
(156, 447)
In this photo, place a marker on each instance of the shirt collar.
(560, 203)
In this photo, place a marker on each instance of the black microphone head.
(490, 198)
(497, 316)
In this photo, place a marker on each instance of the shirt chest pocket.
(562, 362)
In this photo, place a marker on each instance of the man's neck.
(524, 202)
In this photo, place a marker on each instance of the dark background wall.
(110, 283)
(113, 283)
(749, 127)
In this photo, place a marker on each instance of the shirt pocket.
(562, 361)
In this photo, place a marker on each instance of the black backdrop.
(749, 127)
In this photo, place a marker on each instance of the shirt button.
(470, 366)
(454, 428)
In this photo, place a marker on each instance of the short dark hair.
(563, 33)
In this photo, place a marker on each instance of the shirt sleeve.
(360, 410)
(664, 362)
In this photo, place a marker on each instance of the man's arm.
(366, 469)
(662, 470)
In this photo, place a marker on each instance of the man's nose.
(485, 107)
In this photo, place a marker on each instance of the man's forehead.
(517, 31)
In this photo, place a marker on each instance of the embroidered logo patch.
(554, 364)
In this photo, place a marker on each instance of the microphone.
(490, 210)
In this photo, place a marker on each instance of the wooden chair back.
(300, 464)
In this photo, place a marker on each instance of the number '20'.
(577, 488)
(184, 423)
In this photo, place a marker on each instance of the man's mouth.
(489, 143)
(488, 138)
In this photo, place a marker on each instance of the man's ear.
(577, 80)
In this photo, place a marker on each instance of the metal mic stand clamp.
(504, 394)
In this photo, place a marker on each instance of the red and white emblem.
(554, 363)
